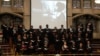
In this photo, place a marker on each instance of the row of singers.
(42, 44)
(12, 30)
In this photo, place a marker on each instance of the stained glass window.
(87, 3)
(18, 3)
(76, 3)
(6, 3)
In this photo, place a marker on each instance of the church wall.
(27, 13)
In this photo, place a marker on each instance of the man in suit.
(57, 44)
(48, 32)
(31, 30)
(5, 31)
(40, 31)
(61, 31)
(89, 30)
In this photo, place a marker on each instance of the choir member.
(18, 43)
(24, 48)
(90, 26)
(25, 39)
(31, 38)
(79, 38)
(31, 30)
(14, 34)
(73, 48)
(24, 29)
(80, 28)
(88, 47)
(86, 37)
(55, 30)
(65, 48)
(47, 29)
(40, 31)
(20, 29)
(38, 44)
(81, 48)
(11, 31)
(57, 44)
(71, 29)
(66, 36)
(61, 30)
(5, 32)
(89, 30)
(45, 45)
(48, 32)
(63, 38)
(70, 40)
(31, 47)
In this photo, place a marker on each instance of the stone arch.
(9, 18)
(85, 14)
(85, 18)
(14, 14)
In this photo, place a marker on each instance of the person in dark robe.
(38, 45)
(18, 43)
(15, 34)
(61, 30)
(65, 48)
(11, 31)
(47, 29)
(54, 32)
(49, 33)
(73, 48)
(71, 29)
(79, 39)
(24, 48)
(45, 45)
(20, 30)
(88, 47)
(57, 44)
(80, 29)
(25, 39)
(5, 32)
(81, 48)
(31, 30)
(31, 38)
(89, 30)
(41, 31)
(71, 39)
(31, 48)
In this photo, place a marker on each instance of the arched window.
(87, 3)
(76, 3)
(18, 3)
(6, 3)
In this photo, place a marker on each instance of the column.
(69, 21)
(26, 21)
(27, 17)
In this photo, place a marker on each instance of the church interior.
(80, 37)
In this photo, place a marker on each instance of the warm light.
(57, 55)
(97, 1)
(6, 0)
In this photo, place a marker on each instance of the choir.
(63, 41)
